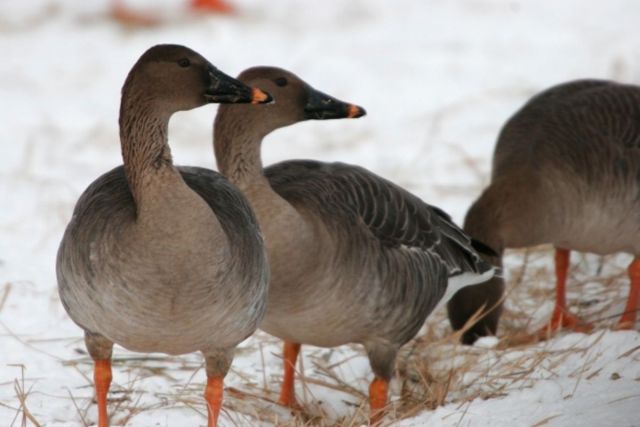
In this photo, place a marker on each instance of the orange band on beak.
(353, 111)
(258, 96)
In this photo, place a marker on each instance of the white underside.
(463, 280)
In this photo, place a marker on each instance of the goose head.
(176, 78)
(294, 100)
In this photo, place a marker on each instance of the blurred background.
(437, 78)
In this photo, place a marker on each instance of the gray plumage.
(354, 257)
(355, 201)
(157, 310)
(158, 258)
(401, 251)
(566, 171)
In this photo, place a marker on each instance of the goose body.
(159, 258)
(120, 11)
(149, 294)
(373, 260)
(354, 258)
(566, 172)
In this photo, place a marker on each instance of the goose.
(122, 13)
(566, 172)
(159, 258)
(354, 258)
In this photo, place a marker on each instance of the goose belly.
(319, 327)
(601, 226)
(201, 330)
(324, 313)
(169, 317)
(351, 307)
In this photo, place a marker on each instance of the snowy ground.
(438, 78)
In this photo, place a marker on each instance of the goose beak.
(321, 106)
(224, 89)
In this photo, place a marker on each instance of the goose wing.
(361, 202)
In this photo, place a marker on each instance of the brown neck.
(237, 147)
(482, 223)
(143, 138)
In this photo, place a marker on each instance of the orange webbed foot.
(212, 6)
(290, 402)
(131, 18)
(625, 325)
(561, 319)
(628, 319)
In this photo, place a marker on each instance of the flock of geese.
(178, 259)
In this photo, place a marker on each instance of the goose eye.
(281, 81)
(184, 62)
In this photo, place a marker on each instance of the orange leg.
(378, 391)
(121, 13)
(215, 6)
(628, 319)
(287, 394)
(102, 380)
(562, 317)
(213, 395)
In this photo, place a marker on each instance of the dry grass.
(6, 290)
(23, 416)
(436, 370)
(432, 370)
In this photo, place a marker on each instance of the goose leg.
(217, 364)
(562, 317)
(628, 319)
(102, 380)
(378, 392)
(121, 13)
(213, 395)
(382, 358)
(287, 393)
(100, 350)
(215, 6)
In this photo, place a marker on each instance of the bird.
(566, 172)
(354, 257)
(121, 13)
(160, 258)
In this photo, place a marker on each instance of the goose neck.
(237, 146)
(144, 143)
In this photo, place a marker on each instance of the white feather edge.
(463, 280)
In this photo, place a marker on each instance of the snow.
(438, 79)
(582, 381)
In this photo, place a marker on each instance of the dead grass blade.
(22, 394)
(5, 294)
(546, 420)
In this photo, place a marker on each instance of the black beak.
(224, 89)
(321, 106)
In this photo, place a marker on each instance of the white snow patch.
(438, 79)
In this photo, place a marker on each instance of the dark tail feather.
(483, 248)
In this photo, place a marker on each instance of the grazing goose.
(158, 258)
(354, 258)
(566, 171)
(122, 13)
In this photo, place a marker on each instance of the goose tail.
(462, 280)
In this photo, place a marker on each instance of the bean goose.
(566, 171)
(354, 258)
(121, 12)
(159, 258)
